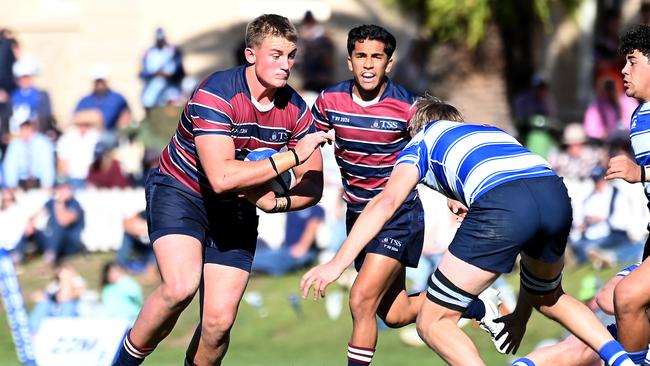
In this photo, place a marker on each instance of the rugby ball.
(280, 184)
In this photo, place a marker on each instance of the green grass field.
(285, 338)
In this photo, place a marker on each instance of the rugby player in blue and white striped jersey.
(632, 294)
(512, 204)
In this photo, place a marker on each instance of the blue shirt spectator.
(27, 101)
(113, 106)
(29, 160)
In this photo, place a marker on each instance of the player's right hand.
(623, 167)
(308, 144)
(319, 277)
(514, 330)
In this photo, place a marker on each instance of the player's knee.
(215, 327)
(178, 294)
(605, 301)
(361, 304)
(425, 324)
(627, 297)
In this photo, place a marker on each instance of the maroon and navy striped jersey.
(222, 105)
(368, 138)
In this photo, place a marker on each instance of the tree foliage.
(467, 20)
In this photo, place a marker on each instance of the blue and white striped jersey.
(463, 161)
(640, 138)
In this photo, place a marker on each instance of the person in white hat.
(29, 103)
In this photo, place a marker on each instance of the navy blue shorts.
(227, 228)
(401, 238)
(526, 215)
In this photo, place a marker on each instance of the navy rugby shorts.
(401, 238)
(531, 215)
(227, 228)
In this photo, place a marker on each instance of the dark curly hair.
(637, 38)
(373, 33)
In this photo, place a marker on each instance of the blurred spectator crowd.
(69, 187)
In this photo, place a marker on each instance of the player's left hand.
(514, 330)
(319, 277)
(621, 166)
(310, 142)
(457, 209)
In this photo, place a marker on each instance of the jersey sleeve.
(210, 114)
(415, 153)
(302, 127)
(319, 116)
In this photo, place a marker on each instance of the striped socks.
(359, 356)
(130, 354)
(614, 354)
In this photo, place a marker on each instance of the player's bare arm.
(621, 166)
(307, 192)
(309, 189)
(379, 210)
(226, 174)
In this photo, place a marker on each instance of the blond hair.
(269, 25)
(430, 108)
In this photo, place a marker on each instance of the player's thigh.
(466, 276)
(180, 259)
(223, 288)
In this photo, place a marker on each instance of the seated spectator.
(577, 158)
(105, 171)
(121, 295)
(59, 299)
(609, 112)
(605, 225)
(111, 104)
(62, 234)
(298, 249)
(13, 219)
(76, 147)
(136, 252)
(162, 73)
(29, 160)
(27, 101)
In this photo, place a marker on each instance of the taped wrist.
(282, 204)
(284, 161)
